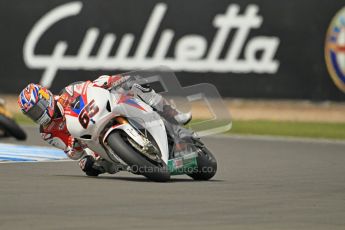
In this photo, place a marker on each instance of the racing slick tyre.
(155, 171)
(207, 165)
(12, 128)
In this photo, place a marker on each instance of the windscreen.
(210, 113)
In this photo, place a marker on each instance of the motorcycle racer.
(47, 110)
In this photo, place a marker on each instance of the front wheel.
(207, 165)
(139, 163)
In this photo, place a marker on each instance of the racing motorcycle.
(126, 131)
(8, 127)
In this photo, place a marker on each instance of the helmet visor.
(37, 111)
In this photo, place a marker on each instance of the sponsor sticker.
(192, 52)
(335, 49)
(178, 162)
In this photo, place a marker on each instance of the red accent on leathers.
(56, 133)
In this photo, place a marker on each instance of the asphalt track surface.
(261, 184)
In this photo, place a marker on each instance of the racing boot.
(94, 166)
(86, 164)
(107, 167)
(156, 101)
(175, 116)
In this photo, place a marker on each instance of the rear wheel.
(153, 170)
(207, 165)
(12, 128)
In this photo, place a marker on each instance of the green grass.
(290, 128)
(322, 130)
(273, 128)
(22, 119)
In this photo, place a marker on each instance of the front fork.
(178, 164)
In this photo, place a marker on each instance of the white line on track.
(24, 153)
